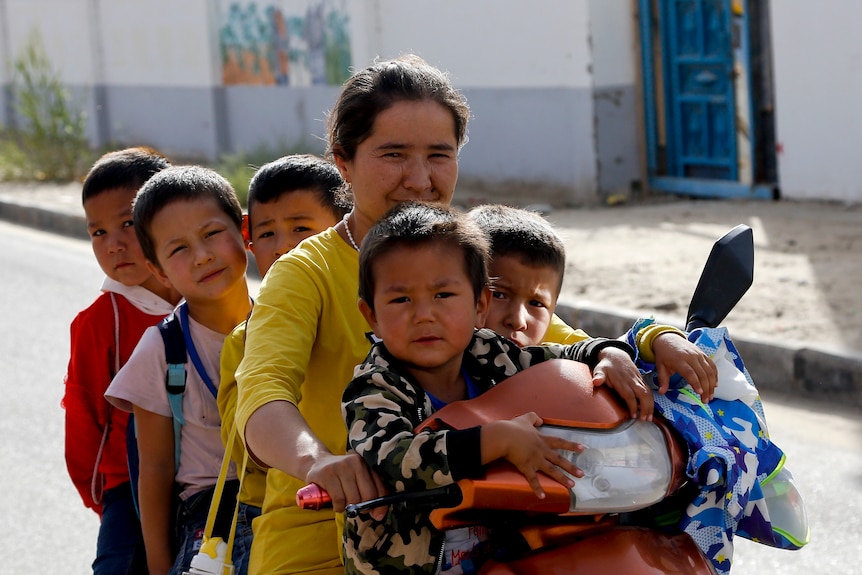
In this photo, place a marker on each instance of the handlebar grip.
(313, 497)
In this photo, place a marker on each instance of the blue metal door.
(698, 64)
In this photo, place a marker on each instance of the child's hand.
(675, 354)
(617, 370)
(518, 441)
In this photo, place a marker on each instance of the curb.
(48, 220)
(797, 369)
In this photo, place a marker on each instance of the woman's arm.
(155, 486)
(279, 437)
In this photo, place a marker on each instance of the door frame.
(754, 56)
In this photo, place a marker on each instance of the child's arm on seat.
(155, 486)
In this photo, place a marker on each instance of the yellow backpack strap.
(214, 555)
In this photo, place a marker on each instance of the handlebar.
(313, 497)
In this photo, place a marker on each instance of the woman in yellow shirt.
(394, 134)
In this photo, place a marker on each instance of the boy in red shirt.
(103, 336)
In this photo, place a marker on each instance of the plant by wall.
(52, 134)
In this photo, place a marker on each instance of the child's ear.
(483, 304)
(246, 235)
(368, 314)
(159, 274)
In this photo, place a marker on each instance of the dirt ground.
(648, 258)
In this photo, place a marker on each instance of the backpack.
(175, 382)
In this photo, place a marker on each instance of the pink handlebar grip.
(312, 497)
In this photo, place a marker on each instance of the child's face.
(112, 234)
(200, 250)
(425, 310)
(280, 225)
(523, 299)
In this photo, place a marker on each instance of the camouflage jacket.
(382, 406)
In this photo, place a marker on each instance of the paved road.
(45, 527)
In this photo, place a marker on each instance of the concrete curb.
(40, 218)
(796, 369)
(803, 371)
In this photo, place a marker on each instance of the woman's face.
(411, 154)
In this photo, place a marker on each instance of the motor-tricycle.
(634, 470)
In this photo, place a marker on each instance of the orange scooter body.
(623, 550)
(562, 394)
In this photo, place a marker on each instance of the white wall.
(818, 88)
(152, 73)
(64, 29)
(613, 42)
(614, 48)
(159, 43)
(491, 44)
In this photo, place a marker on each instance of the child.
(103, 337)
(188, 221)
(527, 264)
(289, 200)
(422, 288)
(528, 261)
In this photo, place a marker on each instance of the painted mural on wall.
(284, 42)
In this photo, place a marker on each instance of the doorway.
(707, 94)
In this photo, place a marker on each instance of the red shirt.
(91, 368)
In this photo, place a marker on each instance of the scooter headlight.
(625, 468)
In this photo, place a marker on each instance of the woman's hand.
(675, 354)
(617, 370)
(347, 480)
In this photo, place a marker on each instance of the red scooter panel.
(560, 391)
(623, 550)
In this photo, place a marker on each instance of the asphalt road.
(46, 528)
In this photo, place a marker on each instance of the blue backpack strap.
(175, 378)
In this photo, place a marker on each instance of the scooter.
(629, 465)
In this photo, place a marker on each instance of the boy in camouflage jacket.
(423, 289)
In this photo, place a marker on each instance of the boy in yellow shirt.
(289, 199)
(527, 264)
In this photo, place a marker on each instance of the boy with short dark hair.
(423, 290)
(102, 339)
(289, 199)
(528, 262)
(189, 223)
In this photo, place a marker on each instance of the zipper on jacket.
(439, 564)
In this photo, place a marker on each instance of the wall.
(527, 77)
(818, 87)
(550, 114)
(614, 49)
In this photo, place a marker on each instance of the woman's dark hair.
(374, 89)
(414, 224)
(179, 184)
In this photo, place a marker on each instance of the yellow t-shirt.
(561, 332)
(254, 481)
(304, 338)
